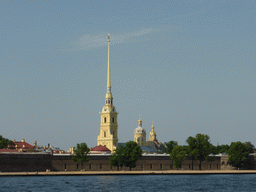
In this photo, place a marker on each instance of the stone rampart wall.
(40, 162)
(25, 162)
(101, 163)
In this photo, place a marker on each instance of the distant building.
(153, 145)
(100, 150)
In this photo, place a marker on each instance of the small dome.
(100, 148)
(139, 130)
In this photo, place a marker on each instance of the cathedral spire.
(109, 98)
(109, 78)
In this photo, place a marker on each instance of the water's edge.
(97, 173)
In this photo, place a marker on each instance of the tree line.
(200, 148)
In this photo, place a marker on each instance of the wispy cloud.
(89, 41)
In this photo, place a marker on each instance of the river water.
(131, 183)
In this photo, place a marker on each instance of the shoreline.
(105, 173)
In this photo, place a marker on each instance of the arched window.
(113, 120)
(105, 119)
(113, 133)
(105, 134)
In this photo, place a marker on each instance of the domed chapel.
(108, 136)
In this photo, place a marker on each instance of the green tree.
(220, 149)
(117, 159)
(5, 143)
(81, 153)
(203, 147)
(238, 153)
(168, 147)
(178, 155)
(132, 153)
(250, 146)
(199, 148)
(191, 149)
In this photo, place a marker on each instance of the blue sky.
(189, 66)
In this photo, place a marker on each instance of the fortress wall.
(24, 162)
(101, 163)
(40, 162)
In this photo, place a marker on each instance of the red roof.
(100, 148)
(20, 145)
(9, 150)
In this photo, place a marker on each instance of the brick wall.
(101, 163)
(25, 162)
(40, 162)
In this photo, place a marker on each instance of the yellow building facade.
(108, 136)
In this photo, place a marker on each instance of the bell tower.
(108, 127)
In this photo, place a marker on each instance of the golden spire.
(140, 122)
(152, 127)
(109, 98)
(109, 79)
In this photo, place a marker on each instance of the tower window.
(113, 133)
(105, 120)
(113, 120)
(104, 133)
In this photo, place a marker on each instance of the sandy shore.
(170, 172)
